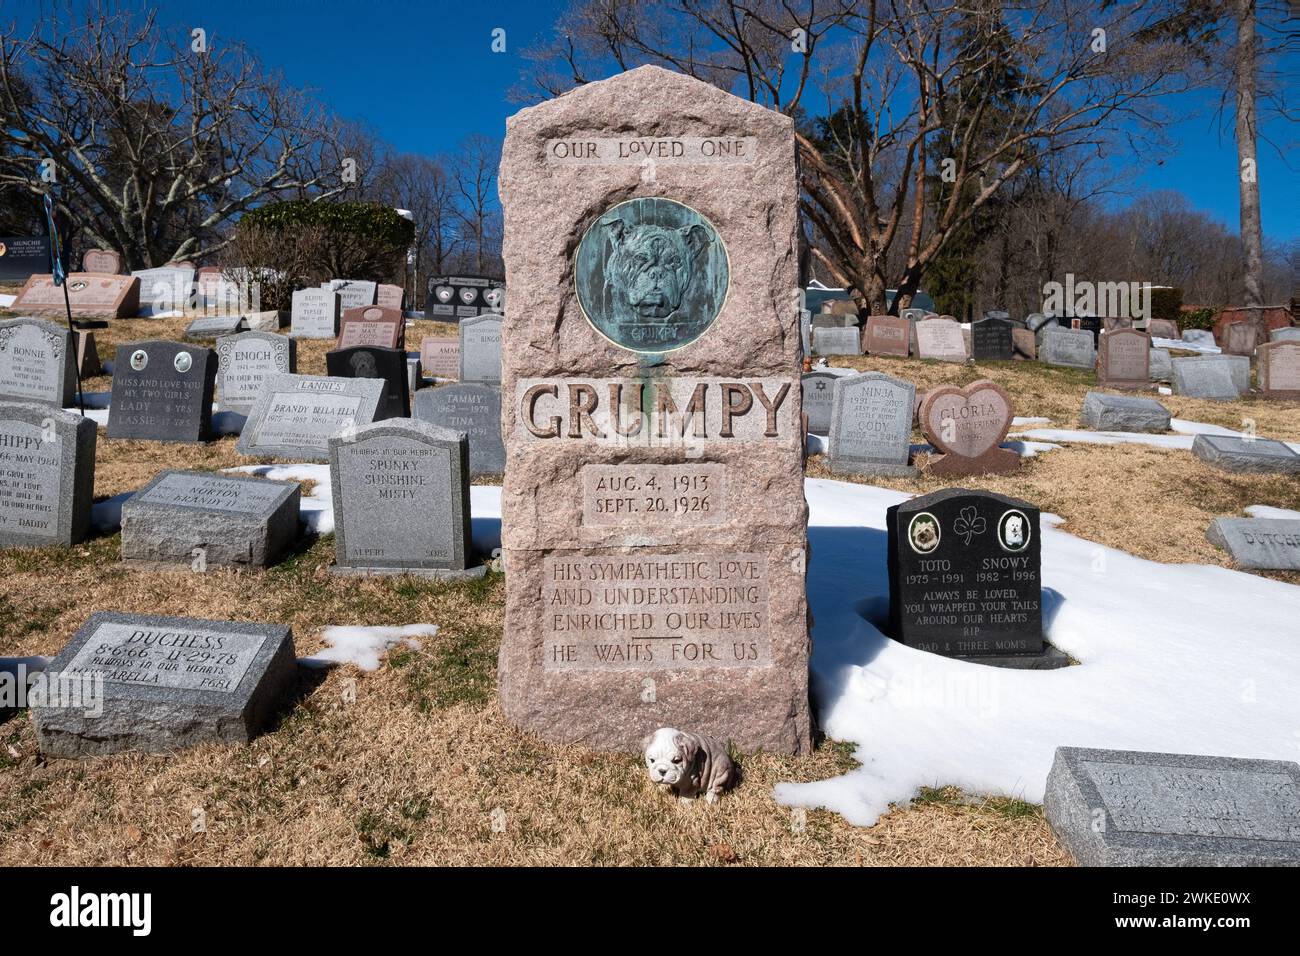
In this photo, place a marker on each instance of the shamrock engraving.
(968, 524)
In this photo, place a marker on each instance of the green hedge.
(1166, 303)
(374, 221)
(1197, 319)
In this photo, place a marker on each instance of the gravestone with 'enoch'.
(1126, 808)
(653, 520)
(164, 683)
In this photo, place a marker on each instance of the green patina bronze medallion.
(652, 274)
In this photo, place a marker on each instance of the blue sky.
(424, 76)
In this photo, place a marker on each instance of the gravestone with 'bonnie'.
(651, 408)
(193, 519)
(401, 501)
(297, 415)
(37, 363)
(871, 425)
(162, 391)
(965, 574)
(47, 476)
(165, 683)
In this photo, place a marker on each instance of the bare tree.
(474, 173)
(421, 184)
(153, 142)
(974, 92)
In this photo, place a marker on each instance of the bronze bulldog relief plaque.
(651, 274)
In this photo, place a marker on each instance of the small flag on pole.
(56, 248)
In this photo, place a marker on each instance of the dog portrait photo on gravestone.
(658, 436)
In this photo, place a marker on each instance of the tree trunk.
(1247, 171)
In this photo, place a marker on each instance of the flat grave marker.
(192, 520)
(1126, 808)
(168, 683)
(296, 415)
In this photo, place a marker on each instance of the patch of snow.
(364, 646)
(1175, 658)
(1164, 390)
(1159, 343)
(1186, 434)
(1268, 511)
(1018, 422)
(6, 301)
(315, 510)
(1028, 449)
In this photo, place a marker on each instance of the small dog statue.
(688, 764)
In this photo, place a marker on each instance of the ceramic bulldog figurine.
(688, 764)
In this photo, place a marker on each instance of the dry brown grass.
(413, 770)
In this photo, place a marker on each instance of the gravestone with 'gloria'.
(968, 425)
(653, 519)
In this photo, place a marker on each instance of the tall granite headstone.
(653, 518)
(47, 475)
(162, 391)
(37, 363)
(480, 349)
(401, 501)
(246, 361)
(472, 409)
(871, 425)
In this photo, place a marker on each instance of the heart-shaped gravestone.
(968, 424)
(102, 261)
